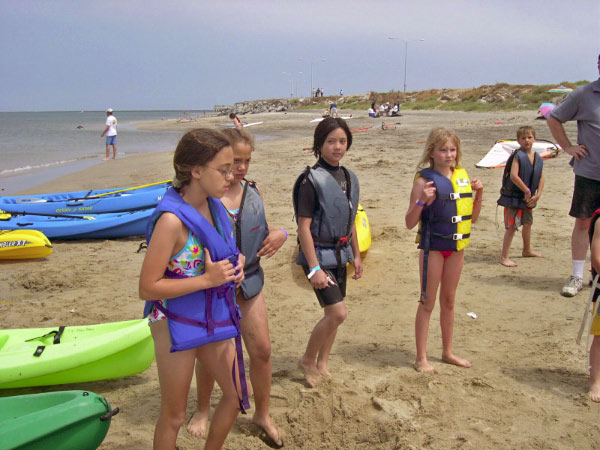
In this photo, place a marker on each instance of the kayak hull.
(89, 226)
(56, 420)
(85, 353)
(87, 202)
(24, 244)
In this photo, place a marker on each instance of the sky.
(194, 54)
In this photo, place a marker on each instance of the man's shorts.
(111, 140)
(586, 197)
(331, 294)
(514, 218)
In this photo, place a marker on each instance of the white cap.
(109, 110)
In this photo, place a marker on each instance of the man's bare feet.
(595, 392)
(325, 373)
(455, 360)
(507, 262)
(274, 434)
(105, 159)
(198, 424)
(424, 367)
(311, 373)
(532, 254)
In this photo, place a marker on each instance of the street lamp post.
(406, 41)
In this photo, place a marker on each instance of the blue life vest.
(251, 229)
(446, 223)
(210, 315)
(510, 195)
(333, 223)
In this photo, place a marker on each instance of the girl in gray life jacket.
(255, 239)
(325, 204)
(442, 203)
(189, 274)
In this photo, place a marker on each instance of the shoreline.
(528, 384)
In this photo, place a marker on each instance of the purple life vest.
(210, 315)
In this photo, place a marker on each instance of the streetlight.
(406, 41)
(311, 71)
(290, 75)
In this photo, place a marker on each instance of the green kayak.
(74, 354)
(54, 420)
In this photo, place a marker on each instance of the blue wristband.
(284, 232)
(313, 271)
(420, 203)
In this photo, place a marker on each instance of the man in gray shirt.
(582, 105)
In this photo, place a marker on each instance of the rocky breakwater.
(260, 106)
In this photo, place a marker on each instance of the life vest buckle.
(454, 195)
(343, 240)
(456, 219)
(457, 237)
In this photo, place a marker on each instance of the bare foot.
(595, 392)
(198, 423)
(272, 432)
(507, 262)
(455, 360)
(532, 254)
(105, 159)
(424, 367)
(324, 372)
(311, 373)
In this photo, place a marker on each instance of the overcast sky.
(133, 54)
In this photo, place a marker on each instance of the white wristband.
(313, 271)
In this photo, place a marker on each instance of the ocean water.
(38, 146)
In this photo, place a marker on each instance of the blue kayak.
(84, 202)
(79, 226)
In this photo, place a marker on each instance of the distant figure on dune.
(111, 133)
(582, 105)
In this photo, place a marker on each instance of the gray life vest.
(510, 195)
(333, 221)
(251, 229)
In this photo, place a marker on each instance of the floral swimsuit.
(189, 262)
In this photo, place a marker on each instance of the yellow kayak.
(24, 244)
(363, 231)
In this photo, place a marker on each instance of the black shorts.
(586, 197)
(331, 294)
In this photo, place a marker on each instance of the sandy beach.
(528, 384)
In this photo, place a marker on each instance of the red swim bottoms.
(446, 253)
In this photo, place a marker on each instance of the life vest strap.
(456, 195)
(452, 237)
(452, 219)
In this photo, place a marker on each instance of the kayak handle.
(109, 414)
(75, 204)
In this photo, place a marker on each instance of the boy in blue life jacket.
(522, 185)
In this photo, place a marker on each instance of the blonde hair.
(437, 139)
(525, 130)
(236, 136)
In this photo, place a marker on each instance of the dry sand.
(528, 384)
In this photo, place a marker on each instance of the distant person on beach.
(522, 186)
(111, 134)
(333, 111)
(382, 110)
(373, 110)
(442, 203)
(395, 110)
(325, 204)
(192, 255)
(255, 239)
(237, 123)
(582, 105)
(594, 236)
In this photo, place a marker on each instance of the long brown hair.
(437, 138)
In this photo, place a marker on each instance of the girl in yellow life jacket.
(444, 203)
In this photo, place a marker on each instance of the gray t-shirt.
(583, 105)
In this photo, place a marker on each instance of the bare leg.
(218, 358)
(450, 277)
(255, 332)
(114, 152)
(175, 372)
(434, 273)
(580, 240)
(508, 237)
(527, 251)
(323, 356)
(106, 158)
(198, 424)
(321, 341)
(595, 370)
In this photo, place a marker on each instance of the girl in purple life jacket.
(178, 265)
(444, 203)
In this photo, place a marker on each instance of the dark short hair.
(196, 148)
(325, 127)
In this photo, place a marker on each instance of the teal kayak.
(74, 354)
(54, 420)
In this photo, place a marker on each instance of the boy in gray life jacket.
(522, 185)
